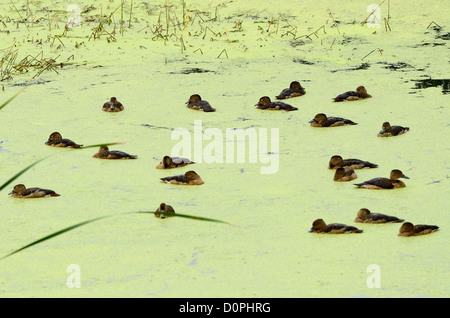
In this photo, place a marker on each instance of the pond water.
(268, 252)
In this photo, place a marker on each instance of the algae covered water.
(152, 57)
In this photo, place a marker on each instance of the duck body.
(344, 174)
(266, 103)
(294, 90)
(56, 140)
(319, 226)
(365, 216)
(321, 120)
(20, 191)
(173, 162)
(189, 178)
(385, 183)
(167, 209)
(360, 93)
(195, 102)
(388, 131)
(113, 106)
(408, 229)
(337, 162)
(105, 153)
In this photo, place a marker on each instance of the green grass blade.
(192, 217)
(100, 145)
(45, 238)
(14, 96)
(20, 173)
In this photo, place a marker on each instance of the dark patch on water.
(156, 127)
(426, 83)
(443, 36)
(302, 61)
(430, 44)
(397, 66)
(194, 70)
(363, 66)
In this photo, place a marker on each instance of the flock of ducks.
(344, 167)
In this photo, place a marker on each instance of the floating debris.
(426, 83)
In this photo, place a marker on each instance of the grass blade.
(20, 173)
(45, 238)
(67, 229)
(14, 96)
(100, 145)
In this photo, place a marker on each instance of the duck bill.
(187, 102)
(311, 230)
(404, 177)
(11, 192)
(257, 104)
(311, 121)
(382, 131)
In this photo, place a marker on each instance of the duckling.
(104, 153)
(20, 191)
(319, 226)
(321, 120)
(294, 90)
(388, 131)
(342, 174)
(56, 140)
(337, 162)
(365, 216)
(196, 102)
(361, 93)
(173, 162)
(385, 183)
(112, 106)
(166, 209)
(189, 178)
(408, 229)
(266, 103)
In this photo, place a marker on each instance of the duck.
(105, 153)
(189, 178)
(20, 191)
(343, 174)
(266, 103)
(173, 162)
(360, 93)
(408, 229)
(56, 140)
(337, 162)
(388, 131)
(385, 183)
(164, 208)
(196, 102)
(365, 216)
(319, 226)
(294, 90)
(321, 120)
(113, 106)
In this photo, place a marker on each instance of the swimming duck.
(112, 106)
(361, 93)
(104, 153)
(196, 102)
(342, 174)
(385, 183)
(189, 178)
(408, 229)
(56, 140)
(321, 120)
(387, 130)
(20, 191)
(319, 226)
(173, 162)
(294, 90)
(365, 216)
(164, 208)
(266, 103)
(338, 162)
